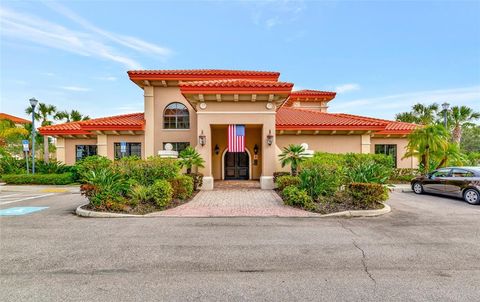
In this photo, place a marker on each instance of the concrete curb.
(360, 213)
(94, 214)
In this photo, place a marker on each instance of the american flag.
(236, 138)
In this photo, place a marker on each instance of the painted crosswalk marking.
(7, 199)
(17, 211)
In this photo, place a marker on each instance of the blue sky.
(380, 56)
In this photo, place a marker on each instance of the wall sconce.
(217, 149)
(270, 138)
(202, 139)
(255, 149)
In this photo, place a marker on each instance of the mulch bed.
(141, 208)
(338, 203)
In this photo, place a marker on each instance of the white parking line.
(4, 196)
(27, 198)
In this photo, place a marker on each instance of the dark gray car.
(461, 182)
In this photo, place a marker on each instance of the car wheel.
(471, 196)
(417, 188)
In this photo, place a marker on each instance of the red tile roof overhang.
(312, 95)
(237, 86)
(126, 122)
(201, 74)
(14, 119)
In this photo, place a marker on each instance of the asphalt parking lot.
(426, 249)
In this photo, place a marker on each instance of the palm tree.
(43, 115)
(292, 155)
(451, 155)
(425, 142)
(189, 157)
(458, 117)
(72, 116)
(420, 114)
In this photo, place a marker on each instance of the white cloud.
(469, 96)
(90, 42)
(275, 12)
(75, 88)
(127, 41)
(347, 87)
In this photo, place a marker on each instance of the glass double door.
(236, 166)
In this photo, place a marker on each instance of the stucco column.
(269, 154)
(149, 106)
(365, 141)
(203, 128)
(102, 145)
(60, 146)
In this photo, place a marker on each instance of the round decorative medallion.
(168, 147)
(203, 106)
(269, 106)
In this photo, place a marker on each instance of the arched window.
(176, 116)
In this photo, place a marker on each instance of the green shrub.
(146, 172)
(10, 164)
(162, 193)
(39, 179)
(197, 180)
(321, 179)
(368, 168)
(107, 186)
(404, 175)
(276, 175)
(294, 196)
(139, 194)
(182, 186)
(52, 167)
(89, 164)
(367, 194)
(287, 180)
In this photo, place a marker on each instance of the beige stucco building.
(195, 107)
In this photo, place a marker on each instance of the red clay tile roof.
(235, 86)
(308, 93)
(15, 119)
(303, 119)
(202, 74)
(391, 127)
(310, 96)
(133, 121)
(287, 118)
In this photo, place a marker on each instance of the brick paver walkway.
(228, 202)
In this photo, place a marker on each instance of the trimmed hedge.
(39, 179)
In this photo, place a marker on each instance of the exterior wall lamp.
(202, 139)
(255, 149)
(217, 149)
(270, 138)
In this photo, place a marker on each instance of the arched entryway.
(236, 165)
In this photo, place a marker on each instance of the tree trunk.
(427, 159)
(457, 134)
(294, 171)
(189, 170)
(45, 149)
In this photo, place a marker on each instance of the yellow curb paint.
(54, 190)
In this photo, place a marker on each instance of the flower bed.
(134, 186)
(330, 183)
